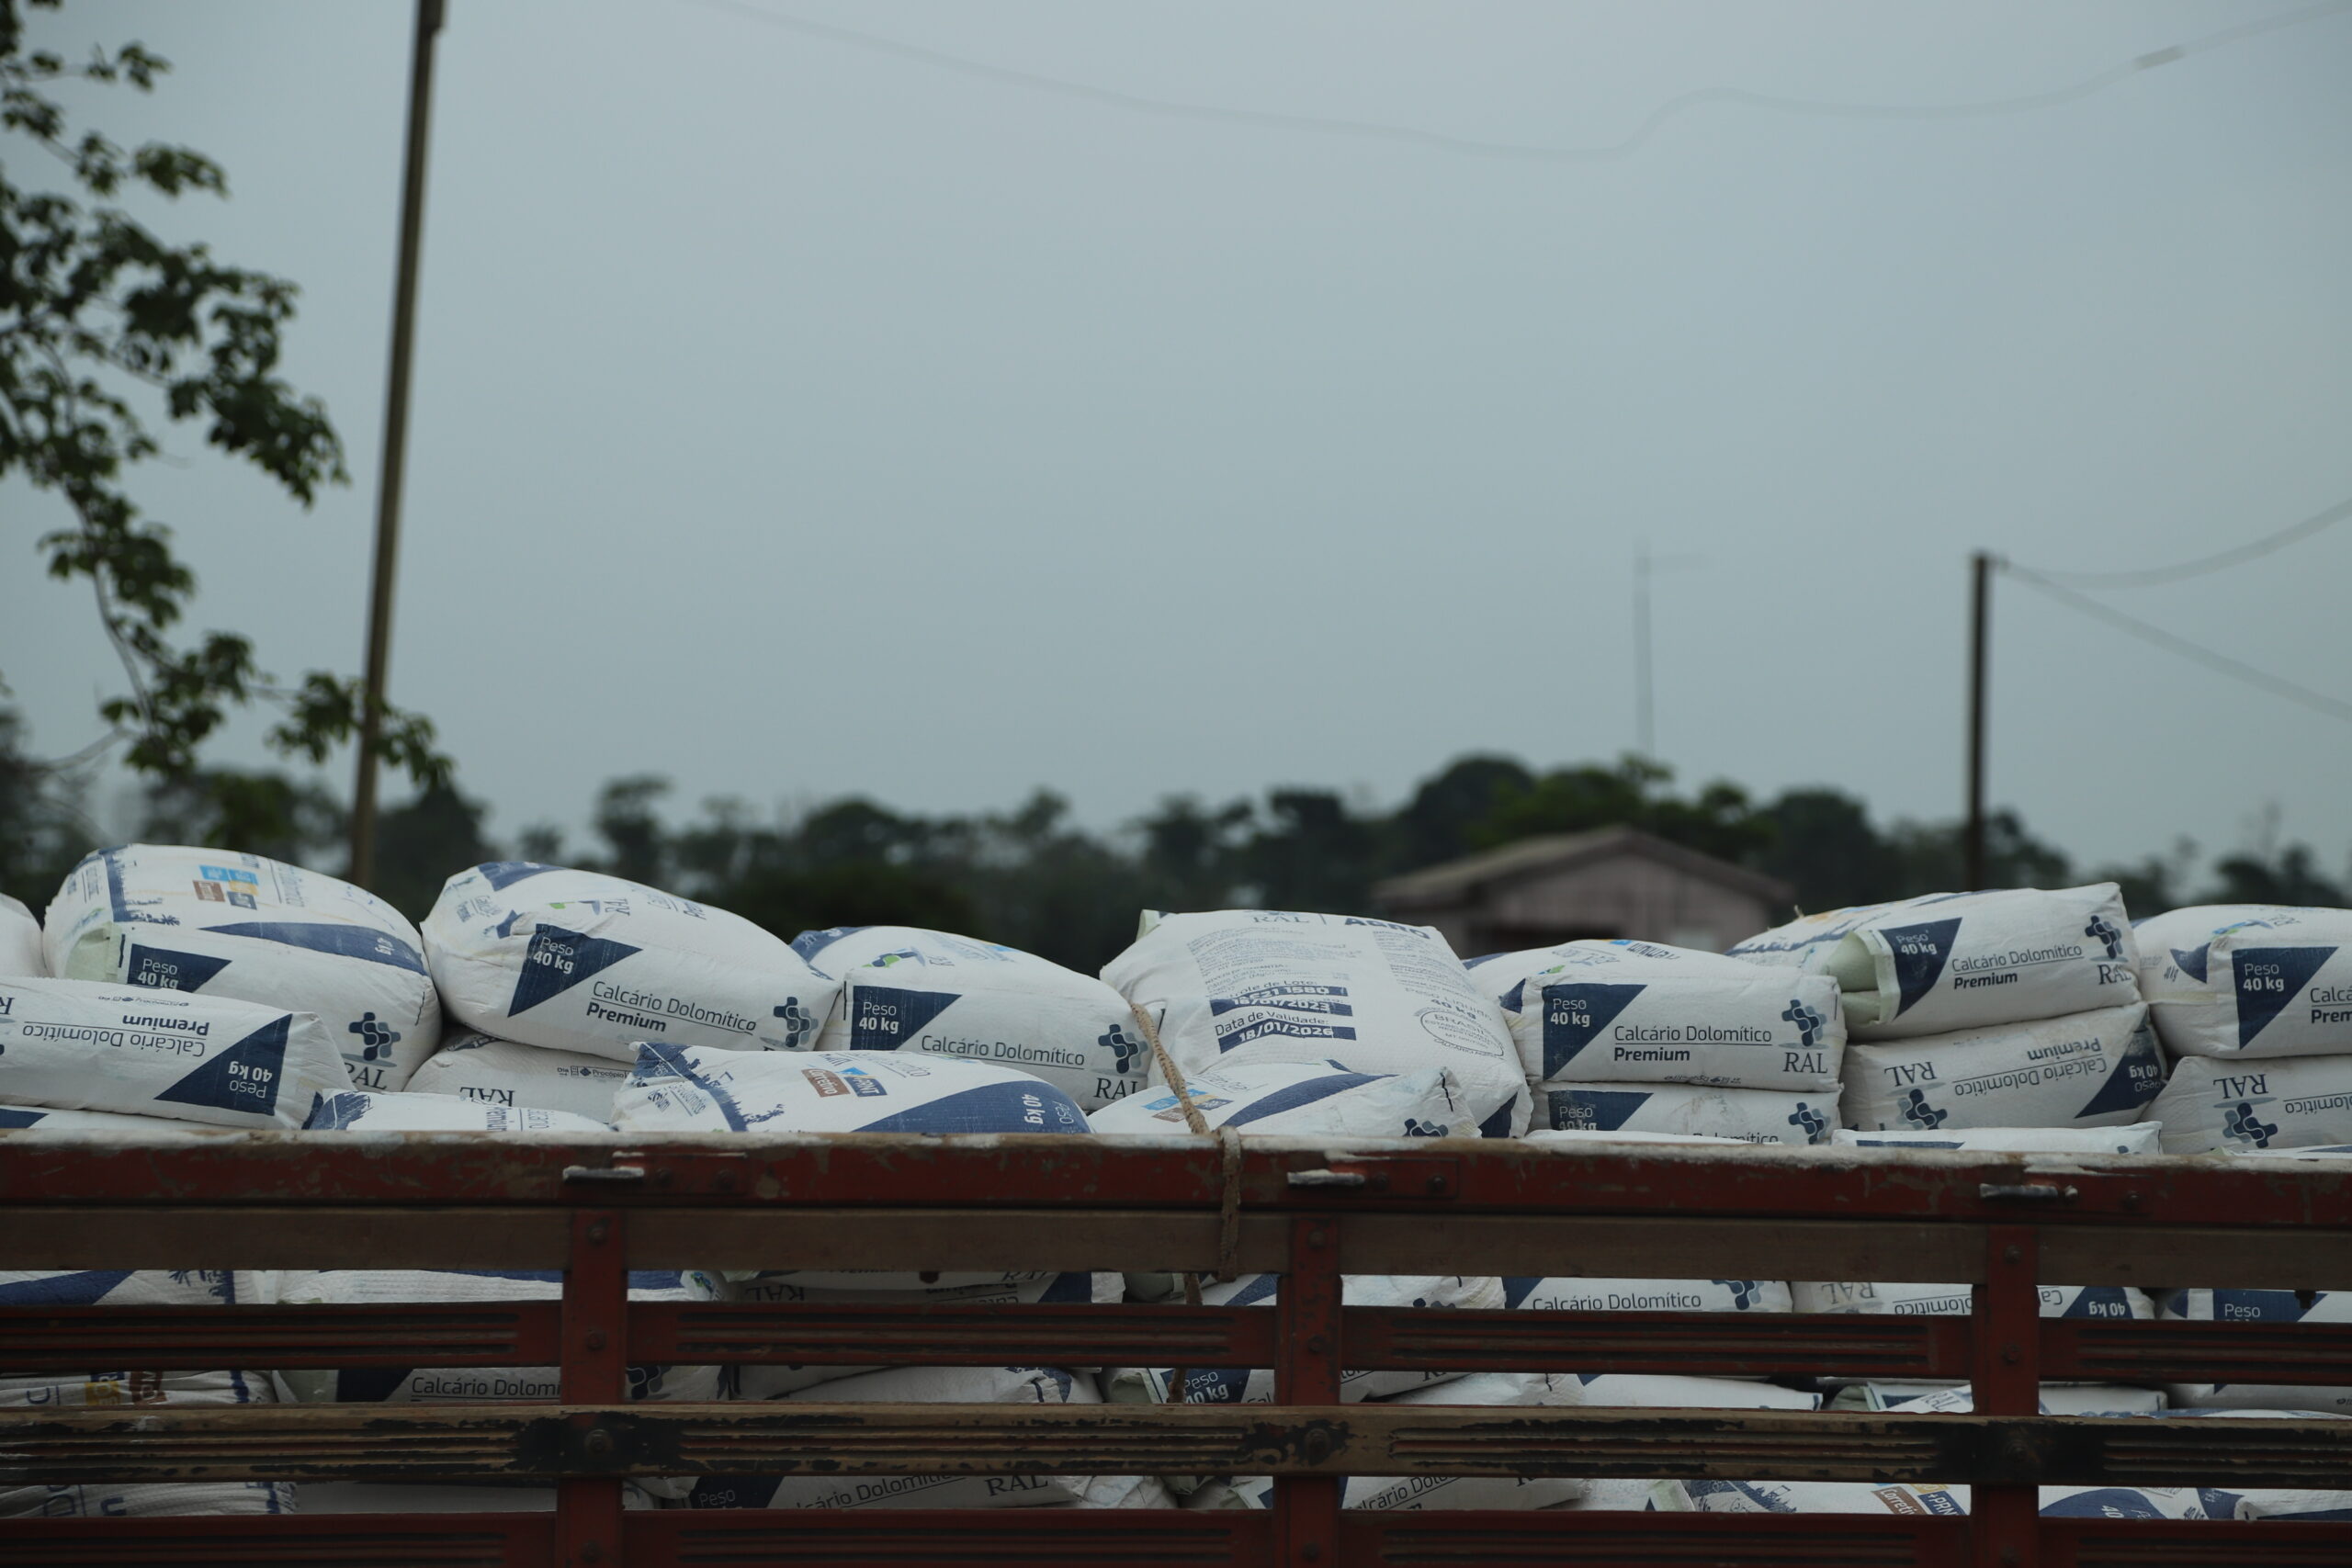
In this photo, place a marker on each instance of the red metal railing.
(598, 1208)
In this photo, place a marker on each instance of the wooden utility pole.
(395, 452)
(1980, 603)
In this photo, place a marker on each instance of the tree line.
(1034, 878)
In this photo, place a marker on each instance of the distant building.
(1616, 882)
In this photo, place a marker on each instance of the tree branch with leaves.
(101, 319)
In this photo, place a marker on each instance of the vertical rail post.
(2006, 1380)
(596, 1371)
(1980, 618)
(1306, 1507)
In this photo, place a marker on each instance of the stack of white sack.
(2256, 999)
(2280, 1503)
(20, 953)
(1309, 1099)
(1913, 1298)
(500, 1072)
(927, 1385)
(904, 989)
(442, 1497)
(1717, 1045)
(1429, 1493)
(579, 961)
(357, 1112)
(476, 1385)
(251, 929)
(137, 1391)
(2012, 1009)
(2202, 1306)
(1238, 987)
(79, 1045)
(692, 1091)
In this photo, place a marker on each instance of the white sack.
(2202, 1306)
(1822, 1497)
(170, 1499)
(1120, 1491)
(2329, 1508)
(2215, 1104)
(1569, 1293)
(357, 1112)
(2057, 1399)
(584, 962)
(1303, 1099)
(2249, 979)
(2090, 1069)
(922, 1385)
(502, 1072)
(1745, 1115)
(1665, 1391)
(909, 990)
(1910, 1299)
(2311, 1152)
(694, 1089)
(1570, 1138)
(1240, 987)
(20, 950)
(1964, 960)
(77, 1045)
(2138, 1138)
(76, 1287)
(1605, 1495)
(1255, 1385)
(478, 1385)
(2128, 1502)
(254, 931)
(1638, 1013)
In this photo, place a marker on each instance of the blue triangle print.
(2267, 979)
(560, 960)
(325, 936)
(2139, 1074)
(2192, 960)
(1594, 1110)
(1574, 1013)
(884, 1017)
(243, 1077)
(1920, 953)
(1027, 1107)
(169, 971)
(87, 1287)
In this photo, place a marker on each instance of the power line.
(1473, 147)
(2292, 534)
(2222, 663)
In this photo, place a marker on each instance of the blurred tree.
(1311, 853)
(1719, 821)
(1442, 819)
(42, 831)
(1824, 847)
(263, 813)
(2286, 875)
(422, 844)
(102, 324)
(625, 819)
(1191, 854)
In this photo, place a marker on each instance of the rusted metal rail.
(598, 1208)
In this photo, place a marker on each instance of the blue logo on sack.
(1813, 1122)
(1122, 1046)
(377, 1036)
(1808, 1020)
(1416, 1128)
(797, 1025)
(1743, 1292)
(2242, 1124)
(1918, 1112)
(2102, 929)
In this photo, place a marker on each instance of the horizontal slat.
(482, 1334)
(2194, 1543)
(1556, 1538)
(362, 1441)
(1134, 1240)
(288, 1540)
(220, 1236)
(1661, 1249)
(1018, 1537)
(1174, 1172)
(870, 1333)
(2315, 1259)
(1700, 1344)
(2170, 1351)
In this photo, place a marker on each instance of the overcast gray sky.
(796, 418)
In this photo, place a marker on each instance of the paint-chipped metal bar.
(1154, 1205)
